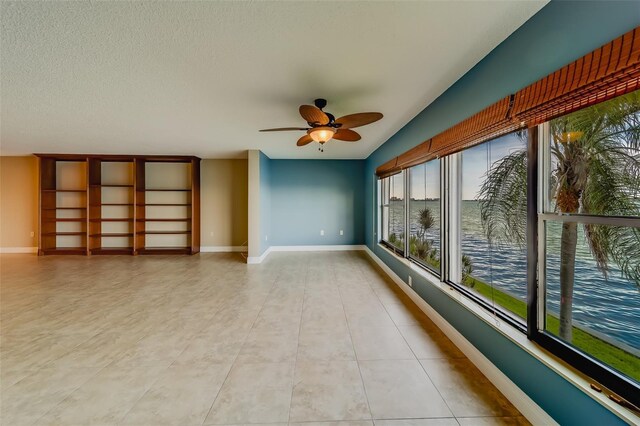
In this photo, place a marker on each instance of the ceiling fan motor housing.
(320, 103)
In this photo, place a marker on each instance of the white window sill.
(554, 363)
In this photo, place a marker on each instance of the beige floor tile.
(154, 349)
(323, 317)
(493, 421)
(254, 393)
(343, 423)
(269, 346)
(10, 377)
(418, 422)
(379, 343)
(467, 392)
(99, 351)
(325, 345)
(182, 396)
(278, 321)
(207, 349)
(136, 332)
(368, 317)
(328, 390)
(399, 389)
(405, 314)
(429, 342)
(30, 398)
(105, 398)
(259, 424)
(40, 352)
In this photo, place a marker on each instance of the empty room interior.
(320, 213)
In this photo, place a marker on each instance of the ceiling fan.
(323, 126)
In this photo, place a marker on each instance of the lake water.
(609, 306)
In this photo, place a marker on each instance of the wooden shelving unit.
(116, 204)
(63, 206)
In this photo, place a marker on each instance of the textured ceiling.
(203, 77)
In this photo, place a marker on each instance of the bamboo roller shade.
(607, 72)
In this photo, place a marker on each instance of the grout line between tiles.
(295, 364)
(344, 312)
(238, 354)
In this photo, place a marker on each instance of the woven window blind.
(607, 72)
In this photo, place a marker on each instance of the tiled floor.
(304, 337)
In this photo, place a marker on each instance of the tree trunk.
(567, 270)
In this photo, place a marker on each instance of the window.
(392, 214)
(474, 228)
(493, 223)
(590, 232)
(424, 214)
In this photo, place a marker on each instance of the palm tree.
(426, 221)
(595, 155)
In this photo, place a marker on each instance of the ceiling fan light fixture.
(321, 134)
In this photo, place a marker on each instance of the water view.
(607, 306)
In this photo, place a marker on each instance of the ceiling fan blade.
(306, 139)
(284, 129)
(356, 120)
(313, 114)
(346, 135)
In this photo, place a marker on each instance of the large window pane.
(396, 211)
(592, 264)
(393, 211)
(384, 205)
(601, 309)
(593, 157)
(424, 214)
(493, 222)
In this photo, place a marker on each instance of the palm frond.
(601, 170)
(503, 200)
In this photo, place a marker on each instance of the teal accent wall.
(265, 201)
(310, 195)
(560, 33)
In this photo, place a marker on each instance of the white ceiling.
(202, 78)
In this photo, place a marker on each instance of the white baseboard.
(252, 260)
(510, 390)
(319, 248)
(256, 259)
(29, 250)
(222, 249)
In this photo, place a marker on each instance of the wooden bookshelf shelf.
(165, 250)
(153, 185)
(164, 232)
(112, 250)
(65, 250)
(166, 190)
(181, 219)
(166, 204)
(65, 208)
(63, 190)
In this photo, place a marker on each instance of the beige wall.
(224, 203)
(18, 202)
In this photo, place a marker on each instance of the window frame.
(412, 259)
(537, 215)
(453, 243)
(386, 182)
